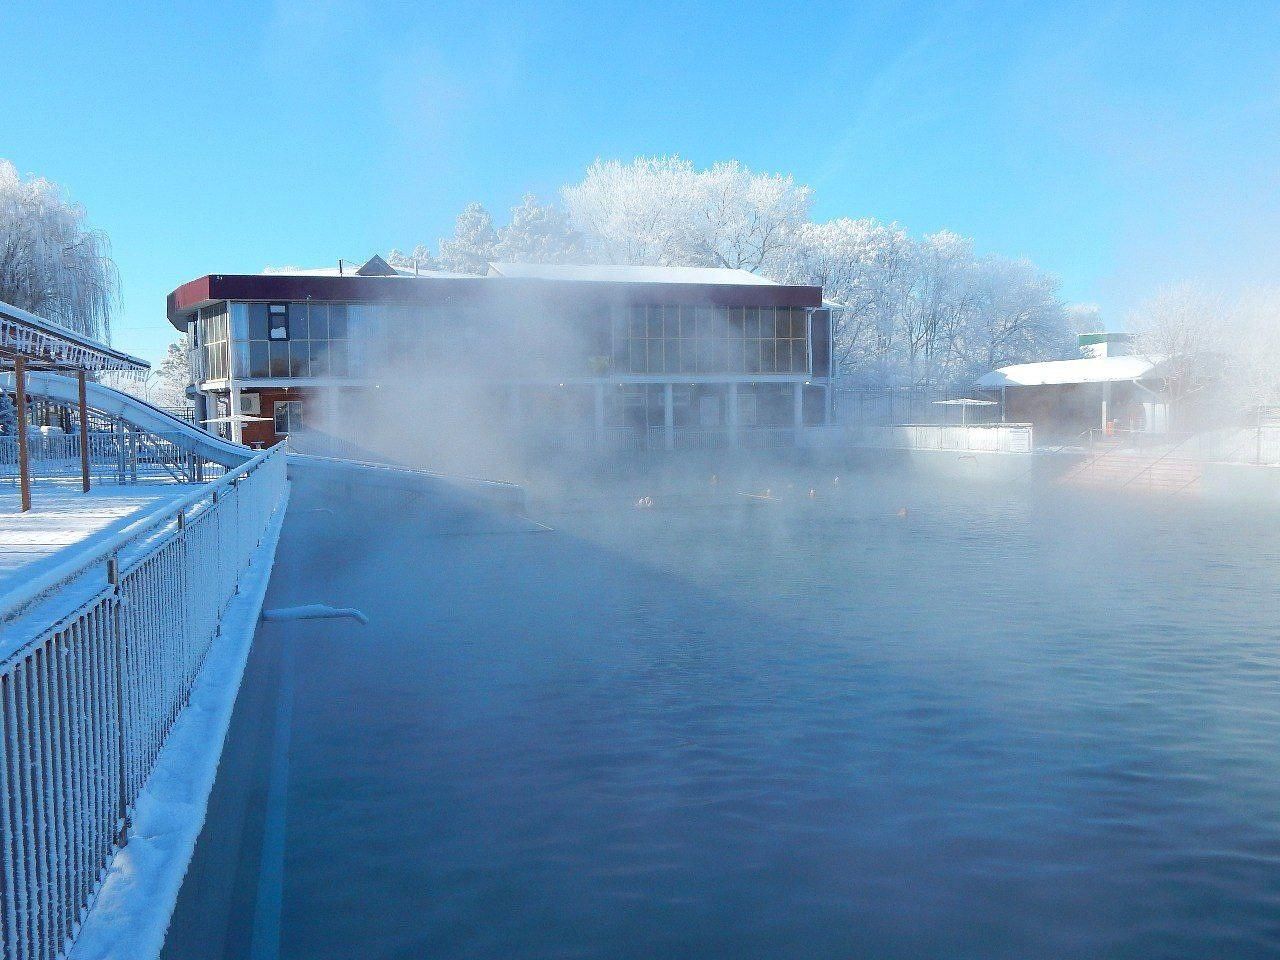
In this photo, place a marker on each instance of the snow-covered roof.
(44, 340)
(349, 270)
(627, 273)
(1051, 372)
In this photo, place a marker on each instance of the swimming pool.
(896, 718)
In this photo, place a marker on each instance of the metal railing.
(97, 660)
(973, 438)
(120, 455)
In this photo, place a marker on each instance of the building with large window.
(599, 356)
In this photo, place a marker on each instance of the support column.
(84, 430)
(20, 401)
(237, 431)
(1004, 415)
(599, 404)
(668, 418)
(733, 416)
(1106, 403)
(798, 391)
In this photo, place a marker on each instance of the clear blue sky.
(1119, 145)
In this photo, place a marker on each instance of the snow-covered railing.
(97, 659)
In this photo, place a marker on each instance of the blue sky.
(1122, 146)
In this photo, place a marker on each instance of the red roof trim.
(188, 297)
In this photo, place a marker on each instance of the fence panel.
(88, 696)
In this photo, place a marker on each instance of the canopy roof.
(51, 346)
(1059, 372)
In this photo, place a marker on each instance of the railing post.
(84, 430)
(122, 739)
(120, 453)
(20, 401)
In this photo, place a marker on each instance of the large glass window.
(710, 340)
(300, 339)
(310, 339)
(212, 335)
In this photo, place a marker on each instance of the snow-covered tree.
(472, 245)
(169, 387)
(164, 386)
(51, 262)
(538, 234)
(662, 210)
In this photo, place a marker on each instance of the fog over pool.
(899, 718)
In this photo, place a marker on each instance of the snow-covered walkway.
(62, 516)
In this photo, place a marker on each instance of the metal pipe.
(20, 401)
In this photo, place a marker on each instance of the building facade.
(603, 357)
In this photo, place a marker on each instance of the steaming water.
(1008, 724)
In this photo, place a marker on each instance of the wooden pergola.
(29, 342)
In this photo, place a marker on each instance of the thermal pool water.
(893, 718)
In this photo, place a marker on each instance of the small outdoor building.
(1065, 399)
(29, 342)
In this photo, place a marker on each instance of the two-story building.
(600, 356)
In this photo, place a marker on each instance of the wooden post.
(84, 432)
(20, 401)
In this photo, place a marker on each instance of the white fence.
(97, 660)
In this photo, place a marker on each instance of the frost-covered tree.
(51, 262)
(662, 210)
(8, 415)
(1253, 344)
(538, 234)
(925, 311)
(420, 259)
(1181, 328)
(1084, 318)
(472, 245)
(864, 268)
(1016, 316)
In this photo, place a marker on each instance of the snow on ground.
(62, 516)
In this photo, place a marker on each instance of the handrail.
(94, 679)
(21, 597)
(1160, 459)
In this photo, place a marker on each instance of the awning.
(1061, 372)
(242, 418)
